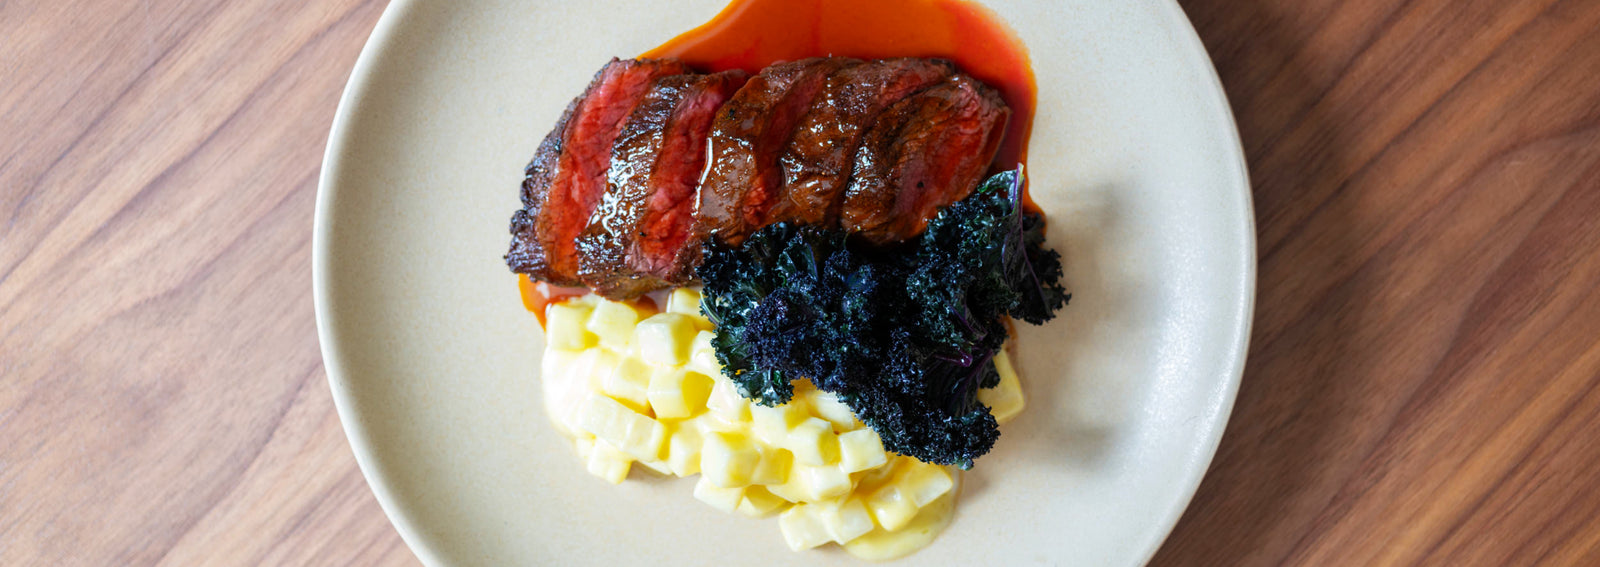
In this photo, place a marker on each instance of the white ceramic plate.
(433, 361)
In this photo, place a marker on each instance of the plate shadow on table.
(1303, 369)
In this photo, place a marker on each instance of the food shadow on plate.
(1078, 383)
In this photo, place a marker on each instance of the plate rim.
(356, 434)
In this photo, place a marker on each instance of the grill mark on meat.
(635, 237)
(566, 177)
(750, 132)
(818, 160)
(925, 152)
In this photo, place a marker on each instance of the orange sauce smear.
(752, 34)
(538, 296)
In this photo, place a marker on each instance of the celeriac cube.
(924, 482)
(774, 467)
(791, 490)
(677, 393)
(625, 429)
(812, 441)
(725, 499)
(758, 502)
(1005, 400)
(683, 449)
(606, 462)
(685, 301)
(585, 445)
(560, 390)
(592, 367)
(658, 467)
(613, 323)
(827, 406)
(821, 483)
(846, 521)
(565, 326)
(579, 380)
(664, 338)
(703, 356)
(728, 460)
(726, 403)
(802, 529)
(860, 450)
(891, 506)
(771, 424)
(629, 383)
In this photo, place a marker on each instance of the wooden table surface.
(1424, 377)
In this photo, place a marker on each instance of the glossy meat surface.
(927, 151)
(635, 239)
(567, 175)
(819, 158)
(751, 131)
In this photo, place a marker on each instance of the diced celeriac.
(821, 483)
(924, 482)
(585, 445)
(623, 428)
(802, 528)
(725, 499)
(702, 356)
(664, 339)
(812, 441)
(774, 467)
(771, 424)
(606, 462)
(827, 406)
(560, 389)
(677, 393)
(860, 450)
(629, 387)
(683, 449)
(629, 383)
(685, 301)
(613, 323)
(659, 467)
(891, 507)
(846, 521)
(565, 326)
(1005, 400)
(728, 460)
(758, 502)
(726, 403)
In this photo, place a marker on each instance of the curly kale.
(906, 335)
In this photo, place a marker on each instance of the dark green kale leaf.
(905, 335)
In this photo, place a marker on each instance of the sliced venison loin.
(636, 238)
(567, 176)
(925, 152)
(753, 128)
(818, 160)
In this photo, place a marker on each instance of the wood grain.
(1424, 381)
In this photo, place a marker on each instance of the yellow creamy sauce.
(631, 384)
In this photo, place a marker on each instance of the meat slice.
(751, 131)
(816, 164)
(925, 152)
(635, 239)
(568, 172)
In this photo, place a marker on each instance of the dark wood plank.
(1426, 354)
